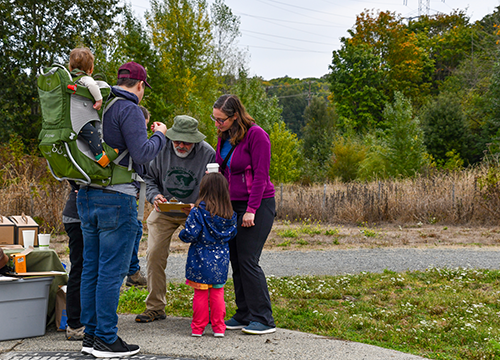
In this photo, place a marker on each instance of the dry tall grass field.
(444, 198)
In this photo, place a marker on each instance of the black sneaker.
(88, 344)
(117, 349)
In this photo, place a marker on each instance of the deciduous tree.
(181, 33)
(34, 34)
(285, 154)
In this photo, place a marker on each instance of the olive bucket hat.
(185, 129)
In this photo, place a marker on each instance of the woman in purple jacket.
(244, 155)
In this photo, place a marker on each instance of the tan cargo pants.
(160, 230)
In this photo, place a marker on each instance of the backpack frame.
(66, 108)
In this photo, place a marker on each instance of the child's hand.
(187, 209)
(158, 126)
(98, 105)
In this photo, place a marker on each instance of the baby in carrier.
(81, 62)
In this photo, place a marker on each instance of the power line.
(288, 38)
(291, 22)
(271, 48)
(293, 12)
(275, 42)
(303, 8)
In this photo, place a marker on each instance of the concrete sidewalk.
(171, 339)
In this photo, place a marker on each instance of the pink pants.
(202, 301)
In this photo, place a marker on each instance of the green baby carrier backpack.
(66, 108)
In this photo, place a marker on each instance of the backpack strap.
(110, 103)
(123, 154)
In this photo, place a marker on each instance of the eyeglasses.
(177, 143)
(220, 121)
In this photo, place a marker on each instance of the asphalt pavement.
(171, 338)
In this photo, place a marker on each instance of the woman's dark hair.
(231, 105)
(214, 191)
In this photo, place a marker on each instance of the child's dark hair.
(214, 191)
(145, 112)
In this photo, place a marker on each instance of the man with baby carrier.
(108, 215)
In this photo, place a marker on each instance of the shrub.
(348, 153)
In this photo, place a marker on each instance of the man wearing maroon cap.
(133, 70)
(108, 215)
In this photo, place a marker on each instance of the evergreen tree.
(319, 131)
(405, 153)
(444, 127)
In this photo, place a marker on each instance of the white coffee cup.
(28, 238)
(213, 167)
(43, 241)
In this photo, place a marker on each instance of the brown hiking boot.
(137, 280)
(75, 334)
(151, 315)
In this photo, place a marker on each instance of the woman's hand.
(248, 219)
(158, 200)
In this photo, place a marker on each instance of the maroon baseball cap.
(137, 72)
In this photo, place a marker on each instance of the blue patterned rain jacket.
(208, 255)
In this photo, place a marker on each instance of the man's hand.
(159, 126)
(248, 219)
(158, 200)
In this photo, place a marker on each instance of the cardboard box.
(24, 304)
(23, 222)
(7, 229)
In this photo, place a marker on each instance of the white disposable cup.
(43, 241)
(213, 167)
(28, 238)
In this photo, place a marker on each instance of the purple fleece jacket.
(249, 176)
(124, 127)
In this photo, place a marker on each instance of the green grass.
(366, 231)
(332, 232)
(437, 313)
(288, 233)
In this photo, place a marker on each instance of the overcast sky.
(297, 37)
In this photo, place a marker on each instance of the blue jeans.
(134, 263)
(109, 225)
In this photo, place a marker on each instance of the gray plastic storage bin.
(23, 307)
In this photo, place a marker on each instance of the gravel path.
(337, 262)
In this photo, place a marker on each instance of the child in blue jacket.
(210, 225)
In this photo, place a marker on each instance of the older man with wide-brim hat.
(174, 174)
